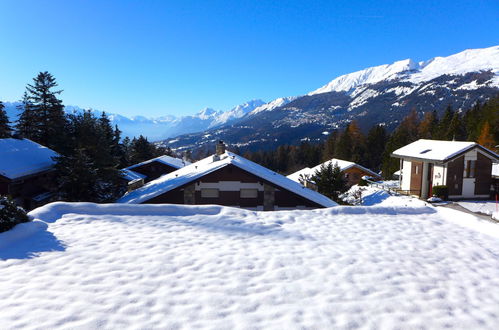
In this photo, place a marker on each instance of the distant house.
(151, 169)
(353, 172)
(464, 167)
(230, 180)
(26, 172)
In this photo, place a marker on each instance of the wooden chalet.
(353, 172)
(464, 167)
(26, 172)
(230, 180)
(136, 175)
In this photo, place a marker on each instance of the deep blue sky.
(175, 57)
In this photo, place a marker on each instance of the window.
(249, 193)
(416, 169)
(469, 168)
(209, 193)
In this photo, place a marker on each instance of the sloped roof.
(23, 157)
(210, 164)
(342, 164)
(437, 150)
(167, 160)
(131, 175)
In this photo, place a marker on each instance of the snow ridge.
(470, 60)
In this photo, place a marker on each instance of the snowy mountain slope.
(379, 95)
(279, 102)
(165, 126)
(367, 76)
(471, 60)
(236, 112)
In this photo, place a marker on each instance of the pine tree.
(442, 132)
(329, 180)
(344, 145)
(27, 125)
(141, 150)
(89, 170)
(77, 177)
(456, 130)
(404, 134)
(48, 111)
(5, 129)
(377, 138)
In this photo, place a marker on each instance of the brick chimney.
(220, 148)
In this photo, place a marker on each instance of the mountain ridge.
(382, 94)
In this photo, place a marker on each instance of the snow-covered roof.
(22, 157)
(131, 175)
(296, 176)
(167, 160)
(342, 164)
(436, 150)
(210, 164)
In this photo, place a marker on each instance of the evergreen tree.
(77, 177)
(5, 130)
(27, 125)
(344, 145)
(443, 132)
(141, 150)
(329, 180)
(377, 138)
(456, 130)
(404, 134)
(48, 112)
(89, 170)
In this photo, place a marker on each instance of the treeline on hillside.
(372, 150)
(91, 150)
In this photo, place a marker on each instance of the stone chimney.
(220, 148)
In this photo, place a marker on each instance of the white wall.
(406, 175)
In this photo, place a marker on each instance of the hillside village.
(385, 227)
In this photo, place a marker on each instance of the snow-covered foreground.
(84, 266)
(485, 207)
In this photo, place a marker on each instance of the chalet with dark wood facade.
(353, 172)
(230, 180)
(26, 172)
(138, 174)
(464, 167)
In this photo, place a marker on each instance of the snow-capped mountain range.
(382, 94)
(165, 126)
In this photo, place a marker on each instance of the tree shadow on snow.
(17, 244)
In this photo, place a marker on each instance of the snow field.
(485, 207)
(155, 266)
